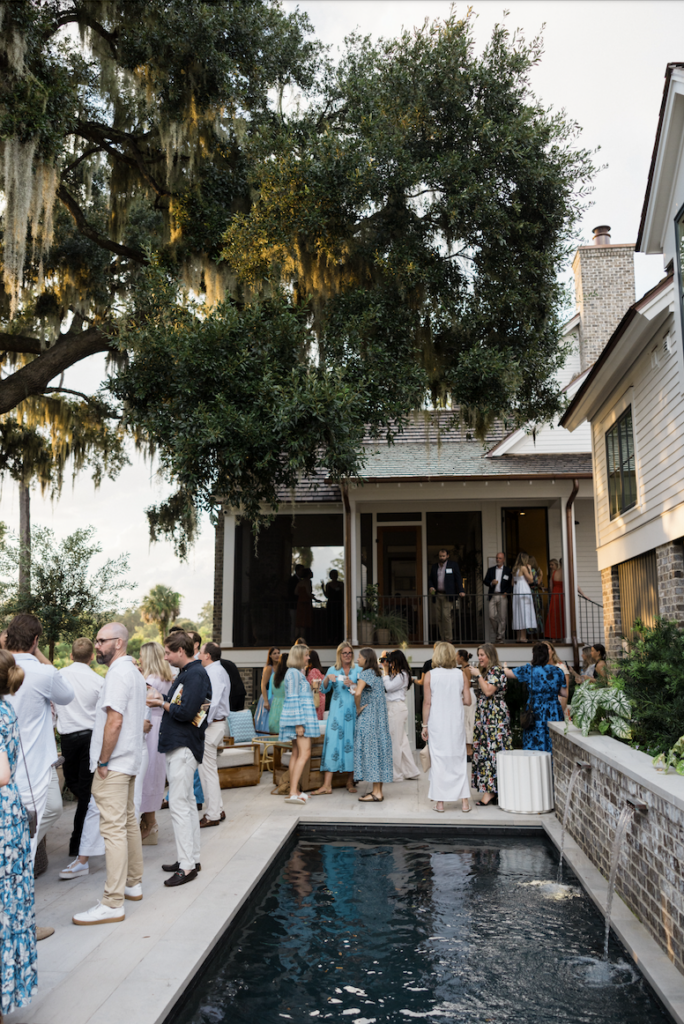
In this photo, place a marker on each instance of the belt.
(83, 732)
(218, 720)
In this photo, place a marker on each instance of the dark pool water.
(466, 930)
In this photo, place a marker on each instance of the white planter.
(525, 781)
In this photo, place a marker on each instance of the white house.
(633, 399)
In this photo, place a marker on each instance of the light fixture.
(523, 513)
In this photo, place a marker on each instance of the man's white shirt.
(79, 715)
(42, 685)
(498, 573)
(124, 690)
(220, 691)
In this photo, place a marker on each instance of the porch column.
(564, 545)
(228, 580)
(355, 581)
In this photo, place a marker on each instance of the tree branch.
(83, 18)
(66, 391)
(19, 343)
(89, 232)
(105, 138)
(34, 378)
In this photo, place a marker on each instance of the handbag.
(261, 716)
(31, 812)
(527, 718)
(425, 757)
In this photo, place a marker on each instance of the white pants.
(208, 772)
(180, 771)
(92, 843)
(402, 759)
(53, 808)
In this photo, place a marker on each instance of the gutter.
(572, 586)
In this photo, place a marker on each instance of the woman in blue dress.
(545, 685)
(298, 720)
(17, 917)
(372, 742)
(338, 745)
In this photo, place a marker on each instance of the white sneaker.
(133, 892)
(99, 914)
(74, 870)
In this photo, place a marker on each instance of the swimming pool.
(373, 930)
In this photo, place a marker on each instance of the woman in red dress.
(554, 626)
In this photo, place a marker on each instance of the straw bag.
(425, 757)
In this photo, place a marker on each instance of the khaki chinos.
(444, 616)
(121, 833)
(498, 615)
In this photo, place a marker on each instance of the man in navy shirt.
(181, 738)
(445, 585)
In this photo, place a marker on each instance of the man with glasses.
(116, 758)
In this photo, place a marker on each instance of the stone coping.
(634, 764)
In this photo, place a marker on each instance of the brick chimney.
(604, 290)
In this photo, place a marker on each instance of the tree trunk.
(51, 651)
(24, 539)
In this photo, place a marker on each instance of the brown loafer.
(208, 823)
(223, 815)
(44, 933)
(180, 878)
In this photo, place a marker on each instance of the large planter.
(384, 636)
(366, 631)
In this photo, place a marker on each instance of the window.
(620, 458)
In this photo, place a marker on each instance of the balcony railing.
(590, 624)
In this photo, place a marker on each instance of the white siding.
(658, 417)
(588, 575)
(554, 439)
(555, 533)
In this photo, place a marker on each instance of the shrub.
(652, 676)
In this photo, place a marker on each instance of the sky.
(604, 63)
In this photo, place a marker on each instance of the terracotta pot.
(384, 636)
(365, 631)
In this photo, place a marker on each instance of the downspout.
(572, 586)
(347, 561)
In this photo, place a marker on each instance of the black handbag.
(30, 811)
(527, 718)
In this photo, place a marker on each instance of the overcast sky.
(604, 63)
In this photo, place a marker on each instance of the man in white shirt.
(75, 725)
(499, 584)
(115, 758)
(43, 685)
(210, 656)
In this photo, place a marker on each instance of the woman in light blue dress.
(298, 719)
(338, 746)
(17, 917)
(372, 742)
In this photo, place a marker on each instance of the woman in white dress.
(524, 615)
(396, 682)
(446, 692)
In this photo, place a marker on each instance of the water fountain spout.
(580, 766)
(632, 806)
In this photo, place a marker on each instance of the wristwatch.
(102, 764)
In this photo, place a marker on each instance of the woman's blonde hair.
(552, 651)
(297, 657)
(444, 656)
(152, 662)
(11, 675)
(523, 559)
(492, 654)
(340, 648)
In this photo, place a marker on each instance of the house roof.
(463, 460)
(654, 156)
(613, 342)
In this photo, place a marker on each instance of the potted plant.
(391, 628)
(605, 709)
(368, 613)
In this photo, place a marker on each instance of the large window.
(622, 490)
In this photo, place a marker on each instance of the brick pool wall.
(650, 877)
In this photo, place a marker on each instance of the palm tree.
(161, 605)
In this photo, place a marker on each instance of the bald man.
(116, 758)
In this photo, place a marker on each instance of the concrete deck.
(136, 970)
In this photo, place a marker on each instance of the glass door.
(400, 582)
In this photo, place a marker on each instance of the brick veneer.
(218, 578)
(670, 568)
(612, 617)
(604, 291)
(650, 877)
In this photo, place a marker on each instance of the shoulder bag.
(31, 812)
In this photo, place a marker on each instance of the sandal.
(466, 809)
(371, 798)
(486, 803)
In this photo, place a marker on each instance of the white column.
(425, 601)
(355, 562)
(567, 597)
(228, 580)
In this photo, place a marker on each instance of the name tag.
(450, 570)
(506, 577)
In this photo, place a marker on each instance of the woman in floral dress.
(545, 687)
(298, 720)
(372, 740)
(492, 723)
(17, 918)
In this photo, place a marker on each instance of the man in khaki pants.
(210, 656)
(116, 758)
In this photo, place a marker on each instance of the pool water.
(389, 930)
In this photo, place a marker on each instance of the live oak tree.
(275, 279)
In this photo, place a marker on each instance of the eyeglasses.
(105, 639)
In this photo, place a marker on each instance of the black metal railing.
(590, 624)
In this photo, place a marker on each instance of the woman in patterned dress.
(17, 918)
(492, 723)
(545, 686)
(338, 745)
(372, 740)
(298, 720)
(315, 675)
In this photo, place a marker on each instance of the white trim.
(666, 165)
(228, 580)
(662, 529)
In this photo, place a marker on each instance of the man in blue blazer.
(499, 584)
(445, 585)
